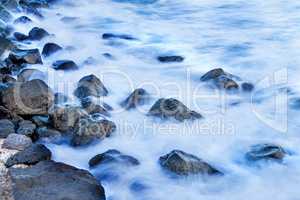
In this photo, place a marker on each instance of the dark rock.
(30, 74)
(247, 87)
(90, 61)
(5, 44)
(138, 97)
(49, 180)
(30, 156)
(65, 65)
(5, 78)
(41, 120)
(166, 108)
(266, 152)
(10, 4)
(48, 134)
(5, 14)
(181, 163)
(92, 108)
(26, 128)
(16, 142)
(65, 117)
(168, 59)
(60, 98)
(88, 130)
(223, 82)
(90, 86)
(35, 3)
(37, 34)
(26, 8)
(113, 157)
(50, 48)
(29, 98)
(4, 113)
(30, 56)
(6, 128)
(107, 36)
(68, 19)
(213, 74)
(108, 55)
(20, 36)
(23, 20)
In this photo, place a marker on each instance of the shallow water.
(257, 41)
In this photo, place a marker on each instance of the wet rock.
(60, 98)
(4, 113)
(90, 86)
(48, 134)
(16, 142)
(92, 108)
(5, 44)
(138, 97)
(108, 56)
(65, 117)
(5, 14)
(181, 163)
(6, 128)
(265, 152)
(22, 20)
(5, 78)
(30, 56)
(41, 120)
(168, 59)
(30, 74)
(213, 74)
(30, 155)
(26, 128)
(166, 108)
(37, 34)
(65, 65)
(20, 36)
(247, 87)
(49, 180)
(107, 36)
(30, 98)
(35, 3)
(50, 48)
(113, 157)
(88, 130)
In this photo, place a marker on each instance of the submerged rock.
(29, 56)
(90, 86)
(49, 180)
(247, 87)
(138, 97)
(168, 59)
(166, 108)
(107, 36)
(113, 157)
(20, 36)
(29, 98)
(37, 33)
(23, 20)
(93, 108)
(16, 142)
(50, 48)
(26, 128)
(65, 65)
(30, 155)
(6, 128)
(265, 152)
(182, 163)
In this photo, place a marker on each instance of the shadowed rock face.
(266, 152)
(65, 65)
(49, 180)
(6, 128)
(50, 48)
(136, 98)
(30, 56)
(166, 108)
(182, 163)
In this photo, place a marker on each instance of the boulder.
(30, 56)
(30, 74)
(265, 152)
(108, 36)
(37, 33)
(20, 36)
(30, 156)
(16, 142)
(88, 130)
(5, 78)
(65, 65)
(181, 163)
(48, 134)
(22, 20)
(6, 128)
(49, 180)
(30, 98)
(26, 128)
(5, 44)
(172, 108)
(92, 107)
(50, 48)
(247, 87)
(138, 97)
(60, 98)
(169, 59)
(113, 157)
(41, 120)
(90, 86)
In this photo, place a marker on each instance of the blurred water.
(255, 40)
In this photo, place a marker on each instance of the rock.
(5, 78)
(37, 34)
(138, 97)
(16, 142)
(113, 157)
(107, 36)
(65, 117)
(41, 120)
(30, 56)
(5, 14)
(166, 108)
(60, 98)
(65, 65)
(26, 8)
(181, 163)
(92, 108)
(90, 86)
(22, 20)
(6, 128)
(26, 128)
(48, 134)
(265, 152)
(247, 87)
(35, 3)
(30, 98)
(50, 48)
(5, 44)
(88, 130)
(30, 156)
(30, 74)
(4, 113)
(168, 59)
(20, 36)
(49, 180)
(213, 74)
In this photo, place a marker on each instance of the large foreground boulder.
(166, 108)
(181, 163)
(49, 180)
(30, 98)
